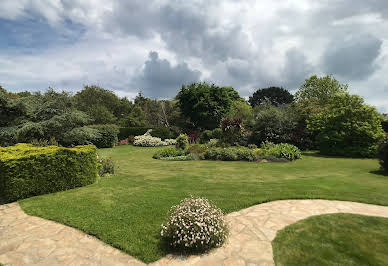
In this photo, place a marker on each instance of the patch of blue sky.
(33, 35)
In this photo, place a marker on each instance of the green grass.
(127, 209)
(333, 239)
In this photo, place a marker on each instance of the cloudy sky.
(156, 46)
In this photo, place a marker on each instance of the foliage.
(232, 130)
(147, 140)
(275, 95)
(210, 134)
(204, 105)
(100, 104)
(188, 157)
(230, 154)
(241, 109)
(28, 171)
(168, 152)
(195, 225)
(105, 166)
(279, 151)
(275, 124)
(159, 132)
(347, 127)
(333, 239)
(106, 137)
(79, 136)
(382, 154)
(136, 118)
(41, 116)
(44, 142)
(318, 90)
(252, 146)
(182, 142)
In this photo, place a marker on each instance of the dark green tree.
(204, 105)
(275, 95)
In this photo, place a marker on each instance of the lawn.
(333, 239)
(127, 209)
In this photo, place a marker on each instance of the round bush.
(383, 154)
(195, 225)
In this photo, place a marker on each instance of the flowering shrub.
(124, 142)
(170, 141)
(195, 225)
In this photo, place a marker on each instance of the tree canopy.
(275, 95)
(204, 105)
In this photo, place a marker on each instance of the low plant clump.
(105, 166)
(195, 225)
(230, 154)
(280, 151)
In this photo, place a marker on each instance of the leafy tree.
(274, 124)
(204, 105)
(319, 90)
(135, 119)
(275, 95)
(242, 110)
(347, 126)
(102, 105)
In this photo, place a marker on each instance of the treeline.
(322, 114)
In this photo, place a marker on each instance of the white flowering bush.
(147, 140)
(195, 225)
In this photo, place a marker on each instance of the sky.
(156, 46)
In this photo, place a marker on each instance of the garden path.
(27, 240)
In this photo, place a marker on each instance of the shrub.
(347, 127)
(79, 136)
(27, 171)
(207, 135)
(382, 154)
(252, 146)
(188, 157)
(123, 142)
(159, 132)
(44, 142)
(105, 166)
(230, 154)
(107, 136)
(168, 152)
(281, 150)
(232, 130)
(195, 225)
(182, 142)
(131, 139)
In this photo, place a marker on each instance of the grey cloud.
(296, 69)
(352, 58)
(161, 80)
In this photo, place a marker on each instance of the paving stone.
(27, 240)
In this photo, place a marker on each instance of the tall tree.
(204, 104)
(275, 95)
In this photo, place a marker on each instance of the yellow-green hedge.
(27, 171)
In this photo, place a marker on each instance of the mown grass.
(333, 239)
(127, 209)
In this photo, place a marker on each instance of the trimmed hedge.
(27, 171)
(159, 132)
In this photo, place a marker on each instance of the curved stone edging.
(253, 229)
(27, 240)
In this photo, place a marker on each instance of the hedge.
(27, 171)
(159, 132)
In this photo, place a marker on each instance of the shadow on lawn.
(379, 172)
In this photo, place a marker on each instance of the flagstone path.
(28, 240)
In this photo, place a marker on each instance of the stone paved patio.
(27, 240)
